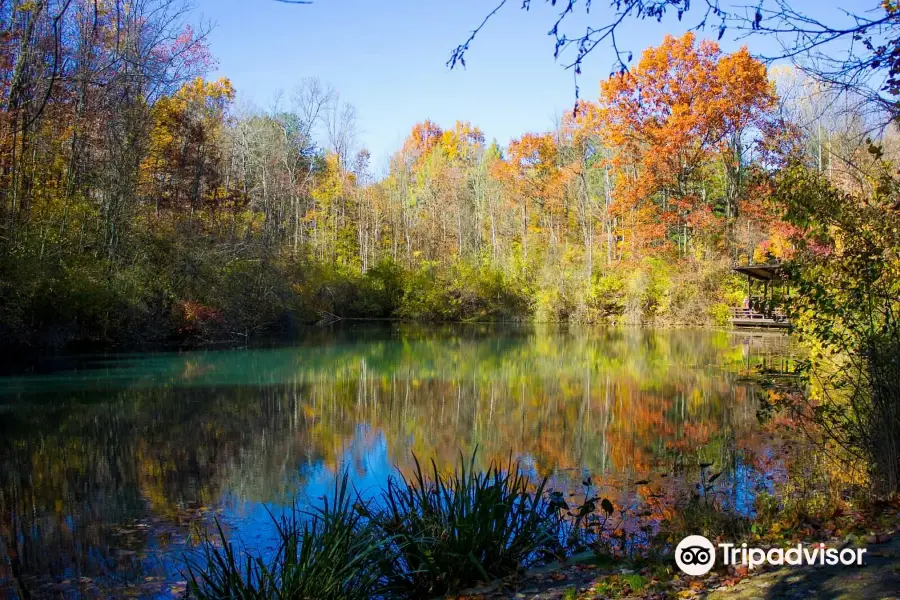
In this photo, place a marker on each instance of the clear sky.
(387, 58)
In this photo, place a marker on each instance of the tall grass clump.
(329, 553)
(450, 532)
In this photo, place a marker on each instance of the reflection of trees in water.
(161, 441)
(90, 488)
(612, 406)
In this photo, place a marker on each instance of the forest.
(145, 204)
(142, 203)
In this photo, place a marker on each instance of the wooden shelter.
(767, 287)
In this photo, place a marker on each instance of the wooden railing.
(751, 314)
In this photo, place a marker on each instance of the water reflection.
(106, 462)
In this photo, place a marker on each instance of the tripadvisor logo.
(695, 555)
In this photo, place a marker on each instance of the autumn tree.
(685, 108)
(432, 173)
(534, 181)
(184, 159)
(137, 186)
(82, 76)
(582, 148)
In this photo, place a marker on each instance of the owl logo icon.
(695, 555)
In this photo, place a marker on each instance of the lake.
(110, 465)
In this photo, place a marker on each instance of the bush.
(78, 299)
(709, 519)
(703, 292)
(381, 291)
(866, 419)
(881, 406)
(462, 292)
(426, 297)
(553, 305)
(607, 297)
(487, 294)
(647, 295)
(252, 295)
(720, 313)
(845, 304)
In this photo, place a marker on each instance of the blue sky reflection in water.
(106, 463)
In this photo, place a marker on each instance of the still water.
(110, 464)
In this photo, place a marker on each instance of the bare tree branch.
(871, 50)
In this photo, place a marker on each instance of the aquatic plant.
(328, 553)
(450, 532)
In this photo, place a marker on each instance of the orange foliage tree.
(685, 107)
(535, 181)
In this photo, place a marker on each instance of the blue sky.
(388, 58)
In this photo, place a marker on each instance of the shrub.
(487, 294)
(552, 305)
(720, 314)
(462, 292)
(845, 303)
(607, 297)
(426, 296)
(253, 295)
(709, 519)
(881, 406)
(863, 413)
(700, 292)
(381, 291)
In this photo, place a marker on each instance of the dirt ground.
(878, 578)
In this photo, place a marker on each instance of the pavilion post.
(749, 293)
